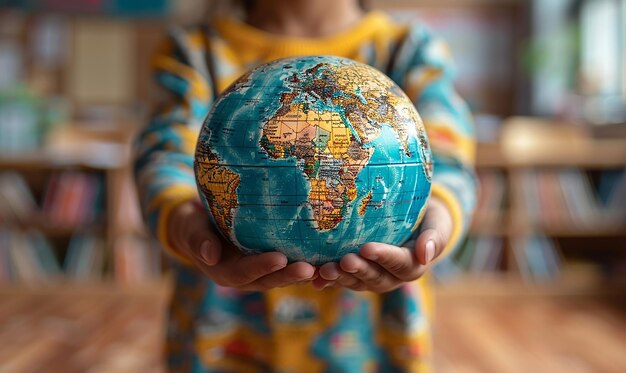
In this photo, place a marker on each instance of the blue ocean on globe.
(313, 157)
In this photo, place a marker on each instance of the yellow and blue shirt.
(297, 329)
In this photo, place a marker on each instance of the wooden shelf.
(490, 155)
(481, 227)
(445, 4)
(570, 230)
(68, 287)
(55, 160)
(58, 230)
(530, 143)
(572, 282)
(536, 142)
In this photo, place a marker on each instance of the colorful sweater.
(297, 329)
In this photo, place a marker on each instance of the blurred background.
(539, 284)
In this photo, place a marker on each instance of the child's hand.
(190, 234)
(381, 268)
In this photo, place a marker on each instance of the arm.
(422, 68)
(166, 181)
(428, 81)
(164, 149)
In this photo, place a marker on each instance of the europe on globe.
(313, 157)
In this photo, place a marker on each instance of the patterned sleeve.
(164, 149)
(423, 68)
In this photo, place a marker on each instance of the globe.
(313, 157)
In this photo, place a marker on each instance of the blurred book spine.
(612, 194)
(71, 207)
(537, 258)
(566, 198)
(26, 257)
(84, 260)
(17, 203)
(73, 199)
(481, 254)
(491, 200)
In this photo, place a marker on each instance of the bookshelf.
(539, 192)
(74, 91)
(70, 214)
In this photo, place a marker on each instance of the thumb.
(206, 246)
(189, 230)
(429, 245)
(436, 230)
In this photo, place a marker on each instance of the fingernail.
(373, 258)
(369, 256)
(278, 266)
(206, 252)
(315, 275)
(334, 274)
(430, 251)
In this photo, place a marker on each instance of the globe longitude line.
(319, 194)
(383, 203)
(369, 188)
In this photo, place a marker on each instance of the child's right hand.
(191, 235)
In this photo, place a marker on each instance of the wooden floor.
(529, 335)
(78, 330)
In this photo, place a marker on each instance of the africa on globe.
(313, 157)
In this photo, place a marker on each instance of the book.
(480, 254)
(537, 258)
(494, 259)
(580, 198)
(612, 195)
(465, 253)
(6, 272)
(486, 256)
(84, 260)
(491, 199)
(73, 199)
(563, 198)
(45, 256)
(16, 200)
(530, 195)
(27, 257)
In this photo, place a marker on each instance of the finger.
(429, 245)
(373, 276)
(399, 261)
(347, 280)
(436, 230)
(240, 270)
(189, 231)
(335, 275)
(330, 271)
(291, 274)
(320, 283)
(206, 246)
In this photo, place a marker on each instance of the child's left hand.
(381, 268)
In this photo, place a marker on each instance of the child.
(235, 313)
